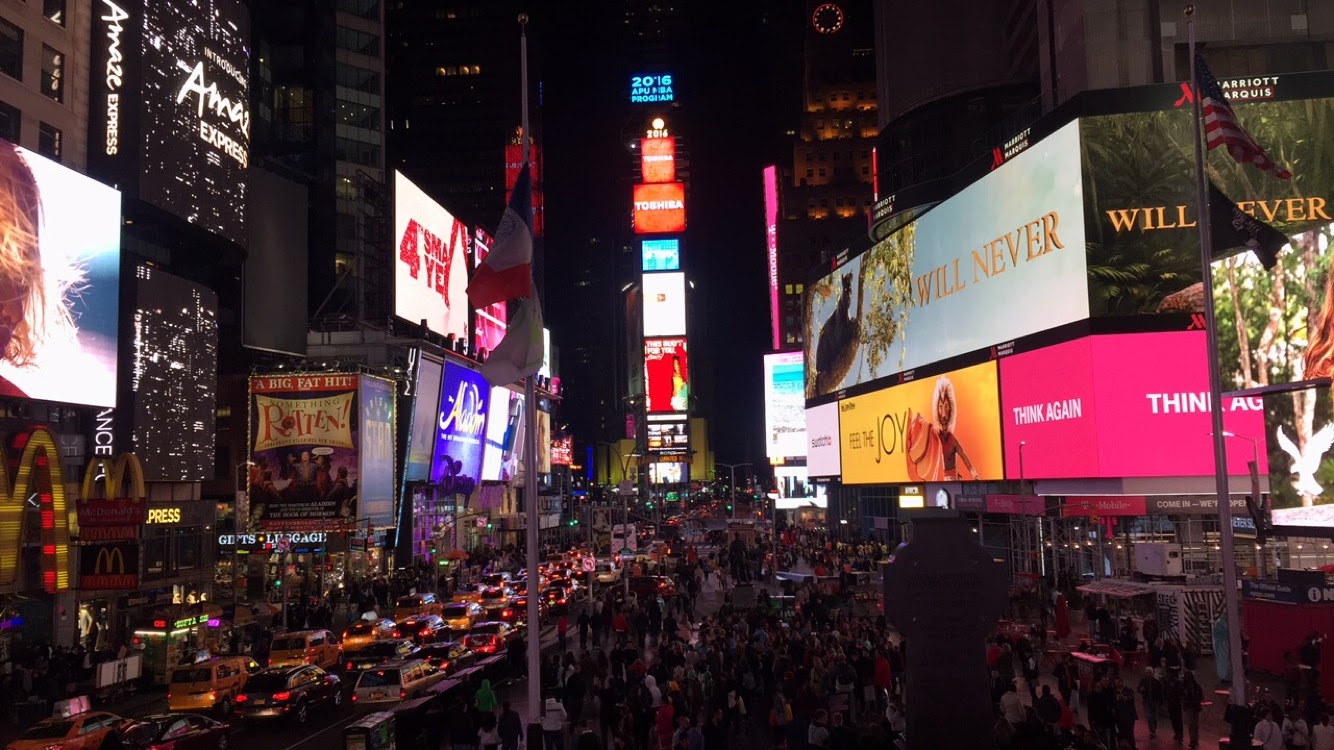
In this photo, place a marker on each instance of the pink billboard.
(489, 323)
(771, 243)
(1126, 405)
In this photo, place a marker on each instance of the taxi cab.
(361, 634)
(85, 731)
(469, 592)
(460, 616)
(209, 685)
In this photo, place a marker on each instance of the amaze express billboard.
(1012, 241)
(170, 106)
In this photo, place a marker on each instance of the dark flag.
(1232, 227)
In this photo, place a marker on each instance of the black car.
(378, 653)
(557, 599)
(422, 629)
(288, 693)
(178, 732)
(448, 657)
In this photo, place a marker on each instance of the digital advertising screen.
(562, 451)
(822, 441)
(657, 159)
(543, 442)
(652, 88)
(668, 437)
(661, 255)
(771, 250)
(660, 208)
(942, 428)
(664, 304)
(430, 267)
(784, 405)
(667, 473)
(174, 376)
(796, 490)
(1123, 405)
(666, 375)
(305, 470)
(1301, 464)
(1275, 326)
(1012, 241)
(513, 166)
(61, 336)
(491, 322)
(425, 417)
(461, 424)
(504, 436)
(375, 490)
(195, 94)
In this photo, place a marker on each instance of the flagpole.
(1237, 692)
(532, 516)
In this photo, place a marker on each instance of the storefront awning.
(1117, 589)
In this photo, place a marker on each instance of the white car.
(607, 573)
(396, 681)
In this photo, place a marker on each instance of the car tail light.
(242, 698)
(284, 695)
(425, 631)
(213, 695)
(163, 746)
(507, 613)
(168, 696)
(402, 695)
(397, 634)
(349, 665)
(354, 697)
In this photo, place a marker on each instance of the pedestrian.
(553, 724)
(1172, 700)
(817, 736)
(1322, 734)
(585, 623)
(1012, 706)
(1151, 693)
(488, 732)
(1192, 702)
(1048, 708)
(485, 698)
(510, 727)
(1296, 732)
(587, 739)
(562, 627)
(1267, 733)
(1126, 715)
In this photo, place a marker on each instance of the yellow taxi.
(209, 685)
(468, 592)
(361, 634)
(460, 616)
(85, 731)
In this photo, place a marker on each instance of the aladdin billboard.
(1124, 405)
(460, 425)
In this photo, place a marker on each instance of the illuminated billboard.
(61, 329)
(1301, 463)
(174, 376)
(664, 304)
(491, 322)
(460, 424)
(942, 428)
(666, 375)
(668, 437)
(652, 88)
(784, 406)
(1124, 405)
(822, 441)
(425, 403)
(660, 208)
(513, 165)
(771, 248)
(504, 436)
(430, 267)
(672, 472)
(170, 106)
(562, 451)
(657, 159)
(661, 255)
(1012, 241)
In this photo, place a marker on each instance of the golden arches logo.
(114, 471)
(37, 478)
(110, 561)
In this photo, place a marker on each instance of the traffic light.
(574, 522)
(278, 583)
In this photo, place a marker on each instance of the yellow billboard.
(941, 428)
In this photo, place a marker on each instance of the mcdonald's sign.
(118, 510)
(109, 566)
(37, 477)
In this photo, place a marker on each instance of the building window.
(54, 10)
(48, 140)
(9, 122)
(357, 41)
(11, 50)
(53, 73)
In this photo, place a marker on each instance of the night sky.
(731, 120)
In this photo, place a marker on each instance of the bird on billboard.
(1305, 465)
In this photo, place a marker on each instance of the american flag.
(1221, 127)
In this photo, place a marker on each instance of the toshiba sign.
(657, 159)
(660, 208)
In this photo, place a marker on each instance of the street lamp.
(733, 468)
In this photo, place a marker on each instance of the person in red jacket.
(884, 678)
(620, 624)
